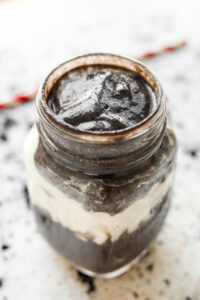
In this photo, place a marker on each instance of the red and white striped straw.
(21, 98)
(17, 99)
(166, 49)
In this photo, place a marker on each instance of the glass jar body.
(100, 223)
(100, 198)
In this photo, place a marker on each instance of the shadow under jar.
(100, 195)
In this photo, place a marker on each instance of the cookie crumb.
(1, 282)
(5, 247)
(135, 294)
(167, 281)
(43, 219)
(26, 195)
(193, 153)
(3, 137)
(8, 123)
(87, 279)
(150, 267)
(30, 125)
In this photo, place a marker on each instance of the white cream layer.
(70, 213)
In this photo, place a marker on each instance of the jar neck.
(104, 152)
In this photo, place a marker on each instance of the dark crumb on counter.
(30, 124)
(193, 153)
(3, 137)
(167, 281)
(87, 279)
(135, 294)
(1, 282)
(44, 218)
(9, 123)
(188, 298)
(26, 195)
(5, 247)
(150, 267)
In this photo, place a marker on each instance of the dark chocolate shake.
(101, 162)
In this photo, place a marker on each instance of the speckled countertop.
(34, 37)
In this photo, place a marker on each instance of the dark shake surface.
(101, 98)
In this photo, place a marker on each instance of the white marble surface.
(34, 37)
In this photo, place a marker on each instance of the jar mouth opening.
(109, 60)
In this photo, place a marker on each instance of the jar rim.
(47, 115)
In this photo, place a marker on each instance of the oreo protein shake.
(100, 162)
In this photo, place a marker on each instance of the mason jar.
(100, 198)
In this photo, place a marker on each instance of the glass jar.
(100, 198)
